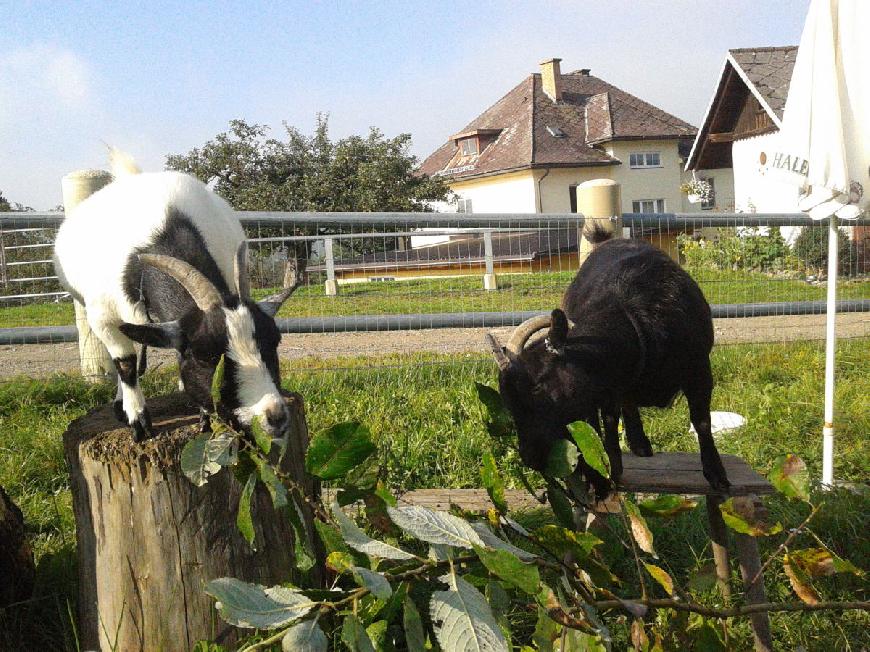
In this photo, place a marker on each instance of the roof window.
(556, 132)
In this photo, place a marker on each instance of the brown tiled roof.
(769, 70)
(468, 250)
(591, 112)
(763, 72)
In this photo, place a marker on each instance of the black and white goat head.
(231, 326)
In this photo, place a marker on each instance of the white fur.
(96, 239)
(257, 392)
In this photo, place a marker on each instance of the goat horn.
(201, 290)
(271, 304)
(240, 270)
(524, 331)
(500, 357)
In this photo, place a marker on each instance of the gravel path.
(36, 360)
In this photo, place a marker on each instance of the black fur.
(642, 333)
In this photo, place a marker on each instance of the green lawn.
(538, 291)
(423, 411)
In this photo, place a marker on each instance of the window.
(648, 206)
(464, 206)
(572, 197)
(710, 203)
(469, 146)
(645, 160)
(556, 132)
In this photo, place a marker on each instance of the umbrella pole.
(830, 351)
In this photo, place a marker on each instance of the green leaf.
(257, 607)
(360, 541)
(415, 637)
(492, 541)
(243, 520)
(205, 455)
(819, 562)
(276, 488)
(340, 562)
(217, 381)
(261, 437)
(377, 633)
(639, 529)
(463, 620)
(354, 635)
(493, 482)
(302, 551)
(505, 565)
(305, 637)
(562, 541)
(741, 515)
(590, 446)
(338, 449)
(789, 476)
(376, 583)
(500, 423)
(666, 506)
(435, 527)
(661, 576)
(563, 510)
(562, 459)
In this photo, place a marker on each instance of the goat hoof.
(142, 428)
(642, 450)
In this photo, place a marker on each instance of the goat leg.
(638, 442)
(610, 416)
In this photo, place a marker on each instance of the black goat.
(640, 332)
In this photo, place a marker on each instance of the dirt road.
(36, 360)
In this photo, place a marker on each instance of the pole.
(600, 203)
(830, 352)
(96, 363)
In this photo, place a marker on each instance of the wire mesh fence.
(380, 285)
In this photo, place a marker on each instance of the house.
(742, 124)
(553, 131)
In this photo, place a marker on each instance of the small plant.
(698, 190)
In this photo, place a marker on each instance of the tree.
(5, 207)
(253, 171)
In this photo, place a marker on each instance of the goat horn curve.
(240, 270)
(502, 360)
(201, 290)
(524, 331)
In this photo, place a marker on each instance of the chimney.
(551, 78)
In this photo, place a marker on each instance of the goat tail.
(596, 233)
(121, 163)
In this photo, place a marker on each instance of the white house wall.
(508, 193)
(755, 191)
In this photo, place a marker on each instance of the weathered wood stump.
(149, 540)
(16, 557)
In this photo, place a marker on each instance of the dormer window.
(556, 132)
(469, 146)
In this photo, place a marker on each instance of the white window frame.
(711, 203)
(470, 141)
(658, 205)
(464, 205)
(644, 160)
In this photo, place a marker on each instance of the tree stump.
(149, 540)
(16, 557)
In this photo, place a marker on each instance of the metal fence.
(382, 283)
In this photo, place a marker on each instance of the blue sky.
(155, 78)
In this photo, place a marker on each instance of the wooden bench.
(663, 473)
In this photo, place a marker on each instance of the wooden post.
(490, 282)
(149, 540)
(750, 565)
(719, 543)
(331, 284)
(600, 203)
(96, 363)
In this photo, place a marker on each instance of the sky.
(157, 78)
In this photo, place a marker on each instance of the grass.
(535, 291)
(423, 411)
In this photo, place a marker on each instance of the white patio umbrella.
(825, 144)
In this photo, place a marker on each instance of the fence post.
(331, 285)
(3, 277)
(600, 203)
(489, 280)
(96, 363)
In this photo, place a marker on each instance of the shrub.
(730, 250)
(811, 248)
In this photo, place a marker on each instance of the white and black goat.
(159, 259)
(640, 332)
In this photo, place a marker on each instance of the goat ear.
(166, 335)
(558, 334)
